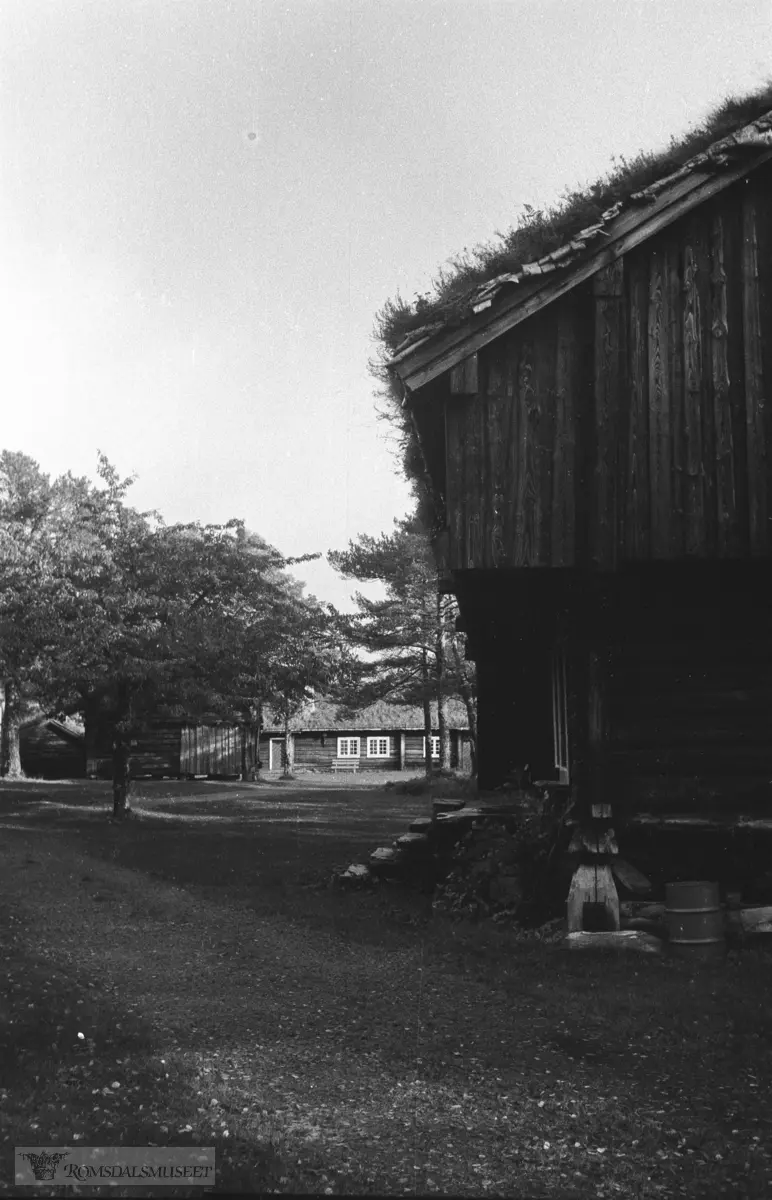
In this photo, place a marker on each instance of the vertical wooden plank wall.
(509, 441)
(753, 335)
(726, 496)
(545, 363)
(636, 536)
(662, 407)
(211, 749)
(495, 461)
(454, 485)
(659, 406)
(693, 493)
(608, 384)
(695, 479)
(563, 500)
(526, 488)
(506, 463)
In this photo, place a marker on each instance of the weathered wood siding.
(156, 751)
(511, 450)
(630, 420)
(210, 749)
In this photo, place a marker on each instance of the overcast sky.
(205, 202)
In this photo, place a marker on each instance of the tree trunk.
(121, 776)
(10, 750)
(442, 700)
(427, 703)
(258, 731)
(288, 748)
(469, 702)
(245, 770)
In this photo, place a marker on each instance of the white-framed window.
(348, 747)
(378, 747)
(435, 747)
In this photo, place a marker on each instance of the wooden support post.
(403, 751)
(593, 881)
(592, 884)
(598, 731)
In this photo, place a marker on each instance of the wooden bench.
(345, 764)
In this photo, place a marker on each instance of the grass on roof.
(540, 231)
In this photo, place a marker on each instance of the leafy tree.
(408, 646)
(108, 611)
(25, 497)
(177, 624)
(35, 533)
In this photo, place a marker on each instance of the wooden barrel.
(694, 918)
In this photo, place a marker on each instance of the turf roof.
(540, 233)
(325, 716)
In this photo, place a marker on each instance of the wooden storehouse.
(52, 749)
(596, 430)
(175, 747)
(381, 737)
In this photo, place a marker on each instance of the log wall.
(690, 695)
(629, 421)
(171, 748)
(49, 754)
(317, 751)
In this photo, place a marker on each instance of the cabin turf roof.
(326, 717)
(550, 240)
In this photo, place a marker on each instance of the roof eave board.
(419, 366)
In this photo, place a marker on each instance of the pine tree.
(407, 643)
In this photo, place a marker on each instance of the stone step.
(757, 919)
(420, 825)
(386, 861)
(384, 854)
(461, 816)
(412, 842)
(445, 806)
(626, 939)
(355, 876)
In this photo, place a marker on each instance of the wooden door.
(277, 755)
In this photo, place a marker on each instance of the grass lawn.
(340, 1043)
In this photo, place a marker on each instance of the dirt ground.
(331, 1043)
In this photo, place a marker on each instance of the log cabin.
(594, 430)
(380, 737)
(52, 749)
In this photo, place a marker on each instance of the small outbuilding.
(52, 749)
(176, 747)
